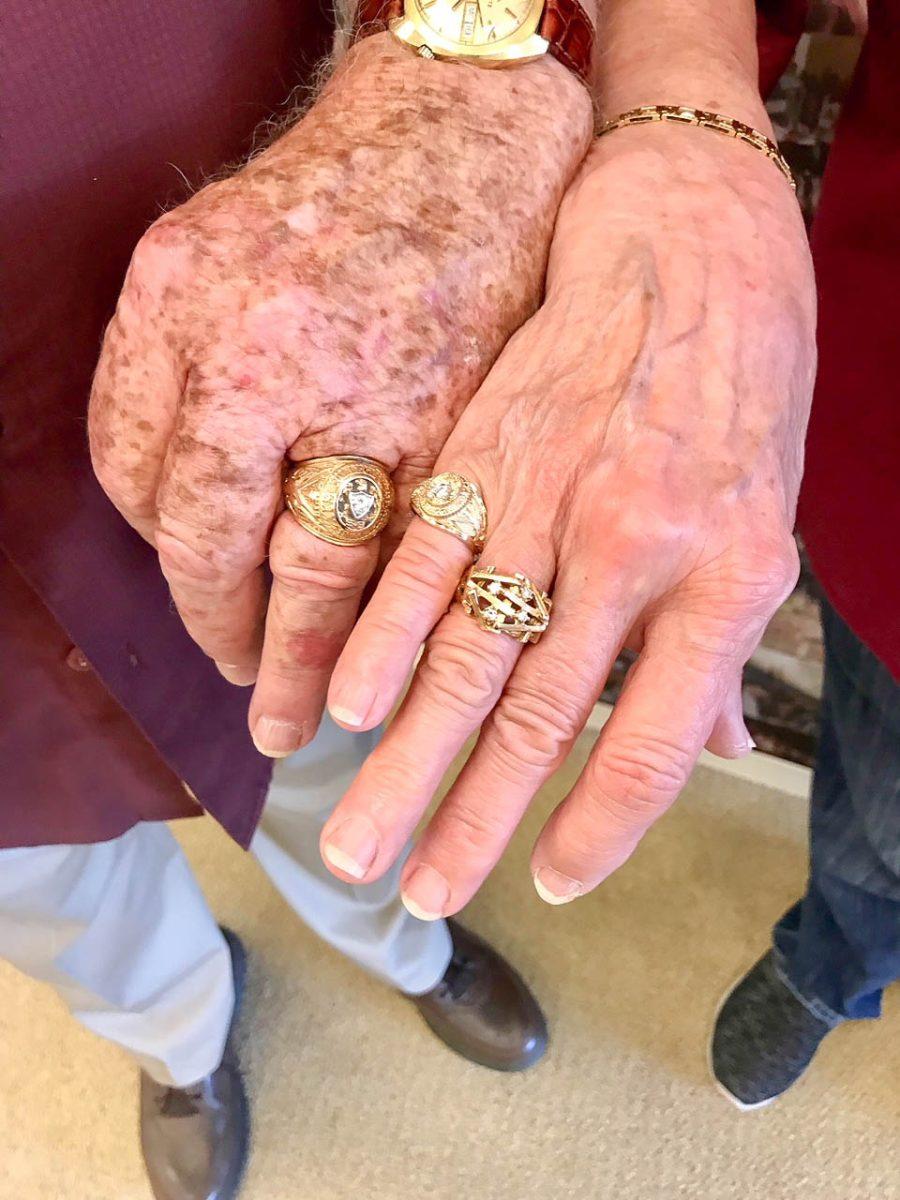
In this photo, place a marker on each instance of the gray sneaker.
(764, 1038)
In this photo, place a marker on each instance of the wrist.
(698, 53)
(391, 90)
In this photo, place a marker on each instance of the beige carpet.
(353, 1097)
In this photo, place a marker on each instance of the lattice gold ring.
(510, 604)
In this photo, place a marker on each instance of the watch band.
(568, 29)
(564, 24)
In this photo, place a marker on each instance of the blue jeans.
(840, 945)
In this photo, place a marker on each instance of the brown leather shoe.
(483, 1009)
(195, 1140)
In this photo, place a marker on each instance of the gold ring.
(342, 499)
(509, 604)
(455, 504)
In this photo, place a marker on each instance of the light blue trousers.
(123, 934)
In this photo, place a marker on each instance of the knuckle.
(460, 677)
(788, 562)
(180, 558)
(637, 776)
(158, 258)
(764, 581)
(329, 583)
(389, 625)
(762, 572)
(723, 618)
(533, 727)
(302, 563)
(468, 831)
(417, 572)
(711, 643)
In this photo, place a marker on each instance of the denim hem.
(818, 1008)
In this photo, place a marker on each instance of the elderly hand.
(344, 293)
(639, 447)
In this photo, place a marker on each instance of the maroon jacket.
(105, 104)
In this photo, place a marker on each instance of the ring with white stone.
(510, 604)
(343, 499)
(453, 503)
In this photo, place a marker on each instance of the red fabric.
(850, 502)
(780, 24)
(849, 510)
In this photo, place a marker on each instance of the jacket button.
(76, 660)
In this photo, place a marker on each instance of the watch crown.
(425, 52)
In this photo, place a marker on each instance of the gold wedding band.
(455, 504)
(510, 604)
(342, 499)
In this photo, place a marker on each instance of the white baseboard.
(764, 769)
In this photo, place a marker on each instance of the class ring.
(342, 499)
(452, 502)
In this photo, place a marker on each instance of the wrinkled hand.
(344, 293)
(639, 447)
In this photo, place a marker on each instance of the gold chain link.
(683, 115)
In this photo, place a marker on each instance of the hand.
(639, 447)
(344, 293)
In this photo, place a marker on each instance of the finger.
(218, 496)
(407, 477)
(641, 762)
(135, 393)
(417, 585)
(415, 590)
(314, 599)
(457, 683)
(730, 737)
(544, 707)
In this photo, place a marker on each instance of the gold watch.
(490, 33)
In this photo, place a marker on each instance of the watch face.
(470, 23)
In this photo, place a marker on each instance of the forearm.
(696, 52)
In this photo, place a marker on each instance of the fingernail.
(554, 887)
(351, 706)
(277, 739)
(741, 750)
(426, 894)
(240, 676)
(352, 847)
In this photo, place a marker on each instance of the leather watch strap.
(564, 24)
(568, 29)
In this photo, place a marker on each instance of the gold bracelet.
(683, 115)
